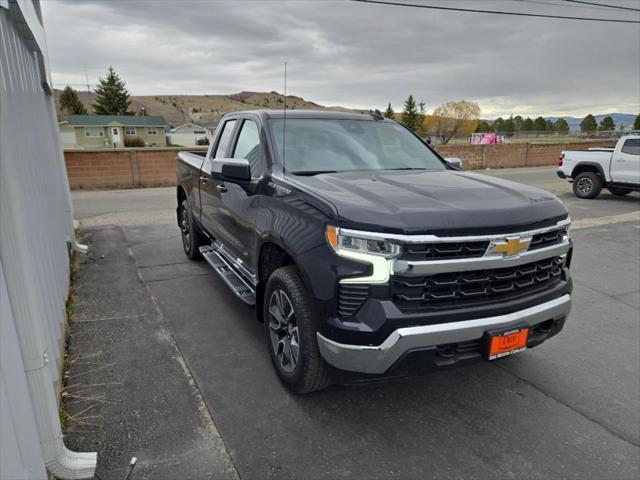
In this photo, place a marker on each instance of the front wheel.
(587, 185)
(290, 327)
(620, 191)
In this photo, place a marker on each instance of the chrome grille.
(547, 239)
(463, 288)
(444, 251)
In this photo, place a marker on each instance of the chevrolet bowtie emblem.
(510, 246)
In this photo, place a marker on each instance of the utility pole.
(86, 76)
(144, 125)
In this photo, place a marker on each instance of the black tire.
(620, 191)
(587, 185)
(309, 372)
(192, 239)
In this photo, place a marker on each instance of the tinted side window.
(632, 146)
(248, 147)
(225, 137)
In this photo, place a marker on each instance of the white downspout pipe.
(60, 461)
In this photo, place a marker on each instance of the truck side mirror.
(454, 162)
(231, 169)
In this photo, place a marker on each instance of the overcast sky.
(357, 55)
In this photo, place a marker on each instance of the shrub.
(133, 142)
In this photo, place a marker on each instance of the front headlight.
(342, 243)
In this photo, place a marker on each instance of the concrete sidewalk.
(129, 391)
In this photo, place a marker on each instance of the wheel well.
(271, 258)
(585, 168)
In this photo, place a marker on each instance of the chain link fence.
(532, 137)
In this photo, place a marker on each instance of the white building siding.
(35, 231)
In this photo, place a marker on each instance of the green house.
(113, 131)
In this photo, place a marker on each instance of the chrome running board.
(233, 273)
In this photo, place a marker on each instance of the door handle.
(204, 179)
(221, 188)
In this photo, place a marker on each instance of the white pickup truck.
(616, 169)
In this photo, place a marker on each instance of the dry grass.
(180, 109)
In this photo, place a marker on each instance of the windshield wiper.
(310, 173)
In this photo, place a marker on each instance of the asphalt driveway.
(569, 408)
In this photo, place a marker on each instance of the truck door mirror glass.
(231, 169)
(454, 162)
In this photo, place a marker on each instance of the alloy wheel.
(283, 329)
(184, 228)
(585, 185)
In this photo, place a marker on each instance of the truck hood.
(433, 202)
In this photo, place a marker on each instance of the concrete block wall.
(154, 167)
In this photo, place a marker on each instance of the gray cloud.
(351, 54)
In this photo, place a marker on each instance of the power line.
(555, 4)
(620, 7)
(494, 12)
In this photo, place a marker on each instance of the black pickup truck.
(366, 254)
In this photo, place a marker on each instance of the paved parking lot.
(192, 360)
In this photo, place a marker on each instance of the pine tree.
(70, 102)
(561, 126)
(508, 127)
(549, 126)
(483, 127)
(527, 125)
(539, 124)
(422, 111)
(588, 124)
(410, 114)
(389, 113)
(517, 123)
(607, 124)
(498, 125)
(112, 98)
(636, 123)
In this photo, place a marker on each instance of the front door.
(210, 189)
(237, 210)
(625, 164)
(115, 136)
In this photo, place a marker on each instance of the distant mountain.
(181, 109)
(625, 119)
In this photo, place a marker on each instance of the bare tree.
(454, 118)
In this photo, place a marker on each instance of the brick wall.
(91, 169)
(154, 167)
(475, 157)
(157, 168)
(121, 168)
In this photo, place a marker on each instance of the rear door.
(210, 195)
(625, 164)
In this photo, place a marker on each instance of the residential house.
(211, 129)
(189, 134)
(113, 131)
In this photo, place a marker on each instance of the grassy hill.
(180, 109)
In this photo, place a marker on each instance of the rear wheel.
(192, 239)
(290, 327)
(587, 185)
(620, 191)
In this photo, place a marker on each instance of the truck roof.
(319, 114)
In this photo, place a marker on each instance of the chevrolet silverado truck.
(616, 169)
(365, 253)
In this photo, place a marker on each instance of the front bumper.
(378, 360)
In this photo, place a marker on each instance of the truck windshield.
(329, 145)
